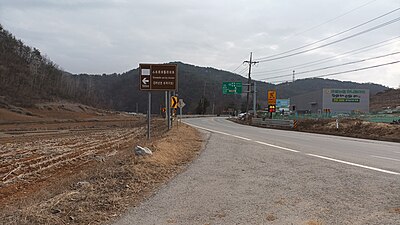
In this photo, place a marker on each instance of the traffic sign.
(158, 77)
(174, 102)
(272, 97)
(181, 104)
(271, 108)
(231, 87)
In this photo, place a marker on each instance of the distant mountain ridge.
(27, 77)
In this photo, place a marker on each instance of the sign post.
(158, 77)
(255, 100)
(181, 104)
(169, 110)
(271, 102)
(148, 116)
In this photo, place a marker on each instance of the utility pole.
(293, 75)
(250, 62)
(203, 98)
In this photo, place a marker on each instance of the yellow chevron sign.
(174, 102)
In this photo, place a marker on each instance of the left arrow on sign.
(145, 80)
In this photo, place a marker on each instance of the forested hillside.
(27, 77)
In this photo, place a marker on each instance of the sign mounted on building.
(158, 77)
(272, 97)
(282, 103)
(232, 88)
(345, 100)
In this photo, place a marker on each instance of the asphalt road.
(250, 175)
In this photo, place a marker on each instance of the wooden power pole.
(250, 62)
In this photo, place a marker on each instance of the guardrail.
(196, 116)
(273, 123)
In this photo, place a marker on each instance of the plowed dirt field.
(78, 167)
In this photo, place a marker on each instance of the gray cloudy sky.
(107, 36)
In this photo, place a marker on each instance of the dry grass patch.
(314, 222)
(271, 217)
(101, 190)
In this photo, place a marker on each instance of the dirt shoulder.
(352, 128)
(85, 172)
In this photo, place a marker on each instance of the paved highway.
(374, 155)
(249, 175)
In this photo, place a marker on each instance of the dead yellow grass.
(101, 190)
(271, 217)
(314, 222)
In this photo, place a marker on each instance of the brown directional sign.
(158, 77)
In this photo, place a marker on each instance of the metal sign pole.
(169, 110)
(255, 100)
(180, 112)
(166, 107)
(149, 117)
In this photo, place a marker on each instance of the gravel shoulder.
(239, 182)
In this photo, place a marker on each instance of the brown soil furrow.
(27, 170)
(31, 159)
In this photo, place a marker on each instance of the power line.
(237, 68)
(330, 20)
(347, 71)
(333, 58)
(333, 42)
(243, 70)
(329, 37)
(339, 65)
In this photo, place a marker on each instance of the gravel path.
(235, 181)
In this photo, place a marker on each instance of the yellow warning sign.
(272, 97)
(174, 102)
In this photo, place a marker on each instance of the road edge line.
(354, 164)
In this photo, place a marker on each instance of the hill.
(388, 99)
(27, 78)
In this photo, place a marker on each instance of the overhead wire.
(333, 58)
(334, 66)
(267, 59)
(330, 20)
(273, 57)
(347, 71)
(243, 70)
(332, 36)
(237, 67)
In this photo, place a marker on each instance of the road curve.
(249, 175)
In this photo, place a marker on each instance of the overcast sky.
(107, 36)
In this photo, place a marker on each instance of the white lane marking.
(275, 146)
(219, 132)
(380, 157)
(247, 139)
(355, 164)
(292, 150)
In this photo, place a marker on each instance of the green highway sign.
(232, 88)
